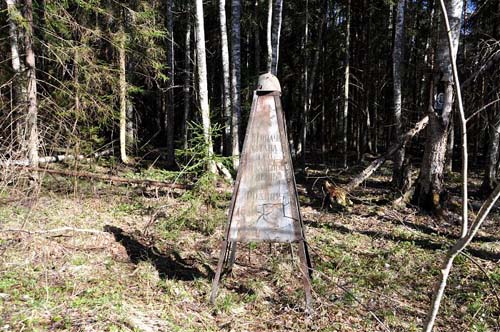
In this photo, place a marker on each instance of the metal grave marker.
(264, 205)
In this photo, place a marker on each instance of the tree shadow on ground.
(423, 243)
(434, 231)
(169, 266)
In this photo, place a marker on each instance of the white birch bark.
(257, 38)
(346, 83)
(269, 35)
(452, 19)
(429, 185)
(19, 86)
(123, 96)
(226, 93)
(187, 81)
(276, 33)
(490, 172)
(397, 58)
(169, 107)
(236, 79)
(305, 107)
(202, 83)
(32, 115)
(13, 31)
(131, 130)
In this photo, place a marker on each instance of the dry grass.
(150, 267)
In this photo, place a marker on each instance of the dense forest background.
(158, 94)
(355, 77)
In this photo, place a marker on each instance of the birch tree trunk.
(429, 186)
(269, 36)
(187, 80)
(32, 114)
(309, 82)
(276, 32)
(226, 93)
(236, 79)
(257, 38)
(123, 95)
(131, 129)
(19, 85)
(170, 115)
(202, 83)
(301, 146)
(490, 172)
(346, 83)
(397, 58)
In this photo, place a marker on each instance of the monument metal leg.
(306, 270)
(232, 254)
(220, 264)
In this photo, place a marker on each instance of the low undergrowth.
(131, 261)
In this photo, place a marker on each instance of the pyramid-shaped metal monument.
(265, 206)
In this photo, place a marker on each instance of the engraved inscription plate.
(265, 207)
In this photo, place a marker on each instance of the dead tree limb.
(367, 172)
(57, 158)
(110, 178)
(55, 230)
(484, 68)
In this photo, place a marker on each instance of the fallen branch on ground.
(53, 159)
(55, 230)
(110, 178)
(367, 172)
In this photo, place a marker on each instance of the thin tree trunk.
(131, 130)
(346, 84)
(236, 79)
(305, 84)
(449, 147)
(76, 79)
(187, 81)
(170, 115)
(276, 33)
(429, 187)
(32, 115)
(203, 85)
(397, 59)
(309, 82)
(257, 38)
(226, 93)
(490, 172)
(269, 36)
(19, 84)
(123, 96)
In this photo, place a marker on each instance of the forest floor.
(90, 256)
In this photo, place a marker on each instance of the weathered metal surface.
(265, 204)
(268, 82)
(265, 208)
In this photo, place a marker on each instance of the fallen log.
(110, 178)
(367, 172)
(53, 159)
